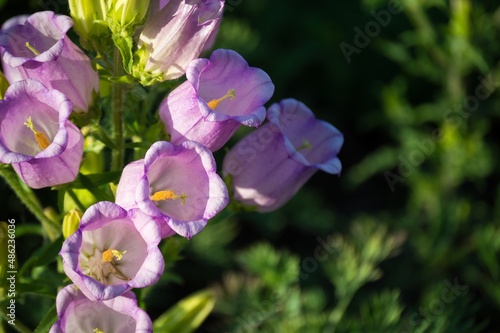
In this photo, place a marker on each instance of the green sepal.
(125, 44)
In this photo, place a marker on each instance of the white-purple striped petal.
(176, 34)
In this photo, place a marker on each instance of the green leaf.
(100, 135)
(127, 79)
(187, 315)
(47, 321)
(125, 45)
(97, 179)
(43, 256)
(96, 191)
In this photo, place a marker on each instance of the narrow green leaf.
(96, 191)
(47, 321)
(187, 315)
(97, 179)
(100, 135)
(43, 256)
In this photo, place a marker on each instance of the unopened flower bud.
(125, 15)
(4, 84)
(89, 18)
(71, 222)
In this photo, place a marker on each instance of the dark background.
(383, 101)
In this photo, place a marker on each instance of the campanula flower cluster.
(175, 188)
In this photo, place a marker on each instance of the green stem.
(28, 198)
(417, 16)
(338, 313)
(117, 111)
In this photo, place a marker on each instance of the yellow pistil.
(168, 195)
(32, 49)
(96, 330)
(40, 137)
(109, 254)
(213, 104)
(305, 145)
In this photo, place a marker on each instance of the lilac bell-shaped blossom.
(272, 163)
(174, 36)
(220, 94)
(37, 47)
(113, 251)
(36, 137)
(78, 314)
(177, 184)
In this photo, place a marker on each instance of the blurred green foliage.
(408, 238)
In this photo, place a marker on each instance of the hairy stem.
(117, 111)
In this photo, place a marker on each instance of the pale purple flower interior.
(228, 70)
(120, 235)
(42, 31)
(84, 316)
(18, 137)
(184, 174)
(19, 36)
(312, 138)
(308, 140)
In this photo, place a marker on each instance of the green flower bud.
(4, 84)
(89, 19)
(125, 15)
(71, 222)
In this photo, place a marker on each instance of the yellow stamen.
(40, 137)
(109, 254)
(168, 195)
(213, 104)
(32, 49)
(96, 330)
(305, 145)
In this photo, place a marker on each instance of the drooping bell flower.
(37, 47)
(174, 36)
(272, 163)
(113, 251)
(36, 137)
(77, 314)
(177, 184)
(220, 94)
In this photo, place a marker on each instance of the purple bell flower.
(113, 251)
(37, 47)
(220, 94)
(176, 34)
(36, 137)
(177, 184)
(78, 314)
(272, 163)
